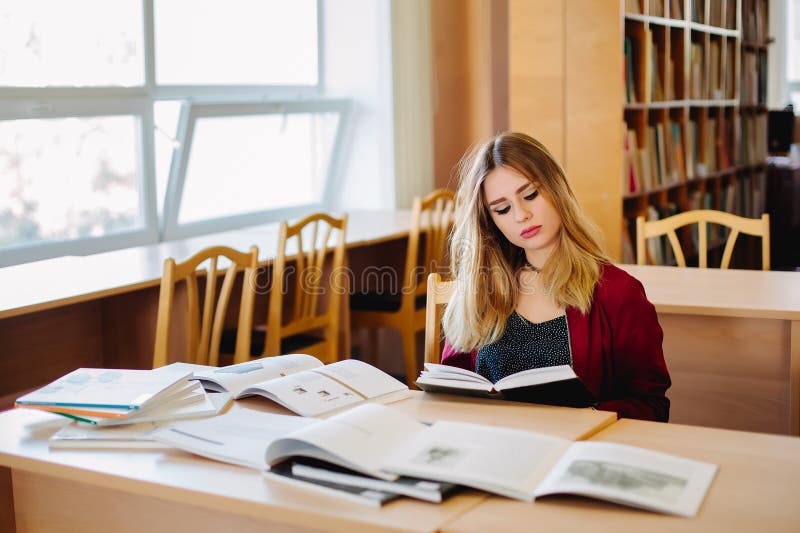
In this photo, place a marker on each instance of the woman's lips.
(527, 233)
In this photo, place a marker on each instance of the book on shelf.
(378, 441)
(550, 385)
(132, 435)
(302, 384)
(108, 393)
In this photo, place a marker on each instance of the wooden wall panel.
(593, 156)
(40, 347)
(470, 78)
(536, 71)
(728, 372)
(7, 521)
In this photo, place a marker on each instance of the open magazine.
(551, 385)
(303, 384)
(377, 441)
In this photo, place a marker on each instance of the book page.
(505, 461)
(536, 376)
(359, 438)
(306, 393)
(209, 404)
(454, 372)
(631, 476)
(240, 436)
(236, 378)
(364, 378)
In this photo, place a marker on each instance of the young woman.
(536, 289)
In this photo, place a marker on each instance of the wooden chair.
(311, 328)
(439, 293)
(205, 322)
(432, 218)
(667, 226)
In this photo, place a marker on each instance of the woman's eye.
(503, 210)
(532, 195)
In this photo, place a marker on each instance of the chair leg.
(410, 356)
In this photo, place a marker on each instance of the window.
(793, 54)
(157, 119)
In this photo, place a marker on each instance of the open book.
(377, 441)
(551, 385)
(303, 384)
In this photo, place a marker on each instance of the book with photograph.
(302, 384)
(384, 444)
(550, 385)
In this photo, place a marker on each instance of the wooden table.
(732, 345)
(100, 310)
(155, 490)
(755, 488)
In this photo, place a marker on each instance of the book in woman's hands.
(303, 384)
(550, 385)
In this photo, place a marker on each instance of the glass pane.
(68, 178)
(793, 42)
(76, 43)
(206, 42)
(255, 163)
(166, 115)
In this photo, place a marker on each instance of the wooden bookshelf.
(694, 112)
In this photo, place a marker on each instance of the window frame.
(190, 113)
(19, 103)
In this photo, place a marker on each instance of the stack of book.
(99, 399)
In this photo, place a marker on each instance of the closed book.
(114, 390)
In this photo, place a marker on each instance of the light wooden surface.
(755, 488)
(732, 345)
(565, 76)
(162, 490)
(71, 279)
(564, 422)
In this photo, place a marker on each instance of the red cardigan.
(616, 349)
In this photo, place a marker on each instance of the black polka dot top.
(525, 345)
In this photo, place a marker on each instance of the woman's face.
(526, 218)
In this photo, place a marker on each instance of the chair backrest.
(432, 218)
(311, 237)
(667, 226)
(439, 293)
(205, 320)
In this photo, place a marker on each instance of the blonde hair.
(485, 263)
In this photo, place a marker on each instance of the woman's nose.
(522, 213)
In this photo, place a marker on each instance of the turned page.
(504, 461)
(329, 388)
(359, 439)
(236, 378)
(240, 436)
